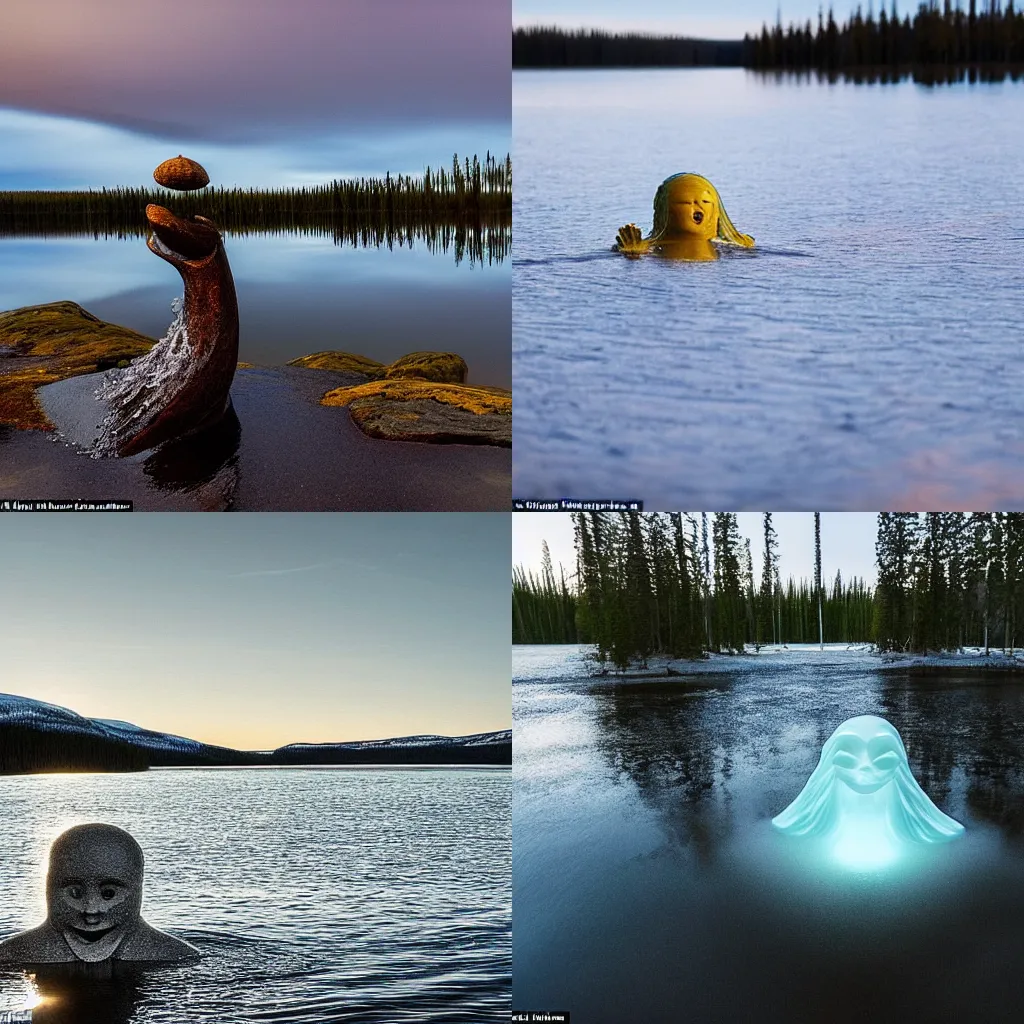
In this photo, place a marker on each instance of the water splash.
(135, 394)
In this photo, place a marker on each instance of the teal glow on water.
(647, 876)
(865, 354)
(315, 896)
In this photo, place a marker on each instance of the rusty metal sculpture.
(182, 385)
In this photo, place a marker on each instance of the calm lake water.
(649, 886)
(315, 896)
(866, 353)
(297, 295)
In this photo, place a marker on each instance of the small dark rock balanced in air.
(94, 905)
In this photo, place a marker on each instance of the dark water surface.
(296, 295)
(315, 895)
(280, 450)
(649, 887)
(864, 354)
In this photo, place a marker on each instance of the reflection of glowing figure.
(688, 214)
(864, 800)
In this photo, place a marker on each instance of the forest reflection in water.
(680, 743)
(924, 74)
(477, 243)
(467, 209)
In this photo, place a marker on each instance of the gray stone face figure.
(94, 903)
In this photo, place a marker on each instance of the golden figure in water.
(688, 216)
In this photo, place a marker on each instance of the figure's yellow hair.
(726, 229)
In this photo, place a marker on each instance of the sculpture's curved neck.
(195, 392)
(211, 313)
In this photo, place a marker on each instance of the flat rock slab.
(413, 409)
(441, 367)
(427, 420)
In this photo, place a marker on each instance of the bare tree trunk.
(817, 576)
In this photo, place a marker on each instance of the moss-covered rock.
(478, 400)
(442, 367)
(50, 342)
(345, 362)
(411, 409)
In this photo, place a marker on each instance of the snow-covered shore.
(770, 655)
(775, 656)
(575, 661)
(973, 658)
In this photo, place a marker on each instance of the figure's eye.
(886, 761)
(844, 759)
(75, 892)
(108, 892)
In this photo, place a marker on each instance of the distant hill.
(556, 48)
(481, 748)
(40, 737)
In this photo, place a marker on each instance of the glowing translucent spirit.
(862, 801)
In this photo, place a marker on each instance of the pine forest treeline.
(683, 585)
(539, 47)
(543, 611)
(938, 42)
(679, 585)
(946, 36)
(947, 580)
(467, 207)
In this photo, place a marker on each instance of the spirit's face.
(866, 764)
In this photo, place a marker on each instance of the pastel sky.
(257, 629)
(728, 19)
(249, 70)
(36, 149)
(847, 542)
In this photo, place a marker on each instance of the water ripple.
(867, 356)
(315, 897)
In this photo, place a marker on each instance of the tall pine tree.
(766, 595)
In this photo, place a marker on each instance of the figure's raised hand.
(630, 240)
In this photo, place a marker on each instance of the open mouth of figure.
(93, 934)
(175, 237)
(697, 216)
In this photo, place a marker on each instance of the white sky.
(847, 542)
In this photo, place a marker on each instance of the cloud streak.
(298, 568)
